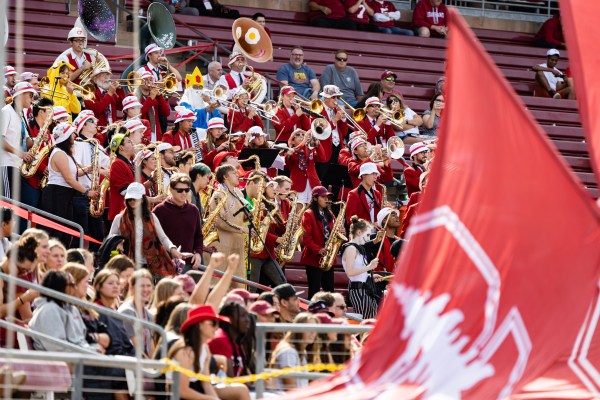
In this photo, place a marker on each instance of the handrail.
(48, 215)
(99, 309)
(39, 335)
(263, 328)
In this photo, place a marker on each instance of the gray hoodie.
(63, 323)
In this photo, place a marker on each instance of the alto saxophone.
(209, 230)
(159, 174)
(28, 169)
(207, 194)
(256, 244)
(293, 232)
(97, 205)
(336, 238)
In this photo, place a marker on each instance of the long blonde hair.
(79, 272)
(163, 290)
(295, 340)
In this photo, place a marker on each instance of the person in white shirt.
(84, 154)
(14, 139)
(10, 76)
(158, 64)
(235, 77)
(550, 79)
(215, 71)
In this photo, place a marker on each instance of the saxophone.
(159, 175)
(384, 199)
(336, 238)
(293, 233)
(209, 231)
(29, 169)
(256, 215)
(97, 205)
(207, 194)
(256, 244)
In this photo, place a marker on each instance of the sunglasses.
(182, 190)
(90, 121)
(341, 59)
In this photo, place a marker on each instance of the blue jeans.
(397, 31)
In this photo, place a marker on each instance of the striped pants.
(361, 300)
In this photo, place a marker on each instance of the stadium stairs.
(419, 62)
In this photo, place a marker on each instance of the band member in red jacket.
(154, 105)
(386, 261)
(289, 117)
(378, 129)
(243, 117)
(301, 161)
(107, 99)
(182, 130)
(122, 173)
(360, 152)
(317, 222)
(365, 201)
(132, 111)
(418, 154)
(336, 117)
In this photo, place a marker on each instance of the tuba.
(40, 153)
(293, 232)
(321, 129)
(336, 238)
(209, 231)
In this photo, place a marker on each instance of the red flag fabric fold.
(501, 268)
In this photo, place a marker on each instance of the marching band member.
(301, 161)
(107, 97)
(215, 142)
(167, 162)
(336, 117)
(145, 160)
(84, 154)
(60, 115)
(182, 132)
(57, 197)
(230, 223)
(31, 187)
(33, 81)
(360, 156)
(346, 153)
(193, 99)
(13, 129)
(243, 117)
(388, 235)
(289, 117)
(136, 130)
(200, 175)
(378, 129)
(154, 106)
(10, 77)
(235, 78)
(60, 83)
(122, 173)
(184, 160)
(282, 192)
(261, 263)
(214, 73)
(76, 56)
(158, 65)
(317, 222)
(365, 201)
(256, 138)
(132, 111)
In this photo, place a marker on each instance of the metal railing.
(521, 10)
(261, 354)
(80, 360)
(33, 210)
(97, 308)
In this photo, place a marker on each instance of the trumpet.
(266, 110)
(313, 108)
(168, 86)
(358, 114)
(87, 91)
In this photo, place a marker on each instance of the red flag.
(582, 32)
(502, 263)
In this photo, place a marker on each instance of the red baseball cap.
(262, 307)
(244, 294)
(320, 191)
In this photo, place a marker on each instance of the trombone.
(313, 108)
(87, 91)
(266, 110)
(395, 117)
(168, 86)
(358, 114)
(134, 79)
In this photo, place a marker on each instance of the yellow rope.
(173, 367)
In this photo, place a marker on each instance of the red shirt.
(551, 32)
(241, 123)
(104, 105)
(427, 15)
(338, 11)
(302, 167)
(161, 109)
(121, 175)
(184, 141)
(221, 345)
(359, 15)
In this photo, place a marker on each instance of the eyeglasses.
(341, 59)
(394, 100)
(390, 79)
(182, 190)
(341, 306)
(298, 55)
(90, 121)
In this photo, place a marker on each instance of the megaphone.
(96, 17)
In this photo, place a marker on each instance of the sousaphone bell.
(252, 39)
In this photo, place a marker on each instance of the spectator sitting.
(550, 34)
(289, 302)
(140, 293)
(431, 117)
(360, 12)
(430, 18)
(165, 289)
(260, 19)
(5, 234)
(410, 126)
(178, 6)
(298, 75)
(549, 80)
(212, 8)
(57, 256)
(388, 84)
(384, 16)
(344, 77)
(329, 14)
(375, 89)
